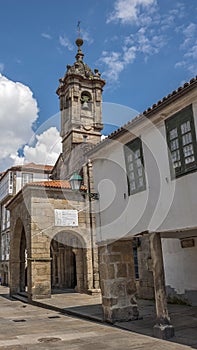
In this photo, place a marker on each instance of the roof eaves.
(166, 100)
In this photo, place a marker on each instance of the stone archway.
(68, 269)
(18, 259)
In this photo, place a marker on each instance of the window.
(5, 218)
(26, 177)
(135, 166)
(181, 139)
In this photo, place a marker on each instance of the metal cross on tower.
(79, 29)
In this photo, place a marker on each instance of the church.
(53, 237)
(134, 234)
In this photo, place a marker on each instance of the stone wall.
(117, 278)
(36, 207)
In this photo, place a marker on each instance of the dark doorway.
(63, 266)
(23, 263)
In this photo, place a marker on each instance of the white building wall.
(36, 177)
(180, 270)
(166, 206)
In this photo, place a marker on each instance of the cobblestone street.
(27, 327)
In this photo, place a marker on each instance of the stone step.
(20, 297)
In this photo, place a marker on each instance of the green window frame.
(181, 141)
(134, 162)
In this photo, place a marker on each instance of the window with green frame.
(181, 140)
(135, 166)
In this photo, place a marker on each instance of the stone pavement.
(183, 317)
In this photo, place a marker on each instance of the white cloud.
(46, 36)
(140, 42)
(188, 47)
(64, 41)
(151, 29)
(114, 65)
(2, 66)
(45, 151)
(86, 36)
(128, 11)
(129, 54)
(18, 112)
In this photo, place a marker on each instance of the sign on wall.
(66, 217)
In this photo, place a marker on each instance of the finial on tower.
(79, 43)
(79, 29)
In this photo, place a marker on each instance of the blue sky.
(145, 48)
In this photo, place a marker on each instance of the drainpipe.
(90, 190)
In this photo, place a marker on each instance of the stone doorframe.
(19, 240)
(39, 262)
(77, 245)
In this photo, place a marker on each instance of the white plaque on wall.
(66, 217)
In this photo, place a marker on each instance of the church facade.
(134, 237)
(52, 238)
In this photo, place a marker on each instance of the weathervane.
(79, 29)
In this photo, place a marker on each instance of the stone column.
(14, 277)
(40, 283)
(163, 329)
(117, 278)
(79, 269)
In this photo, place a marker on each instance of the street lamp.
(75, 183)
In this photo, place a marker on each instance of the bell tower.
(80, 94)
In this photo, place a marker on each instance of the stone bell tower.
(80, 94)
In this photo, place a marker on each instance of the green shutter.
(135, 166)
(181, 140)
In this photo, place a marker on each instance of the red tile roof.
(53, 184)
(148, 112)
(37, 166)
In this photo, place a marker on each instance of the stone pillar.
(117, 278)
(54, 268)
(40, 283)
(163, 329)
(79, 269)
(14, 277)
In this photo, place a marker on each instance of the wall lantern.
(75, 183)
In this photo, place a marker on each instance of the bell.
(85, 105)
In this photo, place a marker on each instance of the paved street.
(28, 327)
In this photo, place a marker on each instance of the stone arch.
(18, 258)
(68, 261)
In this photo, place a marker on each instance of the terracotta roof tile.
(149, 110)
(53, 184)
(37, 166)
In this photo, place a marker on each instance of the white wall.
(180, 266)
(165, 204)
(36, 177)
